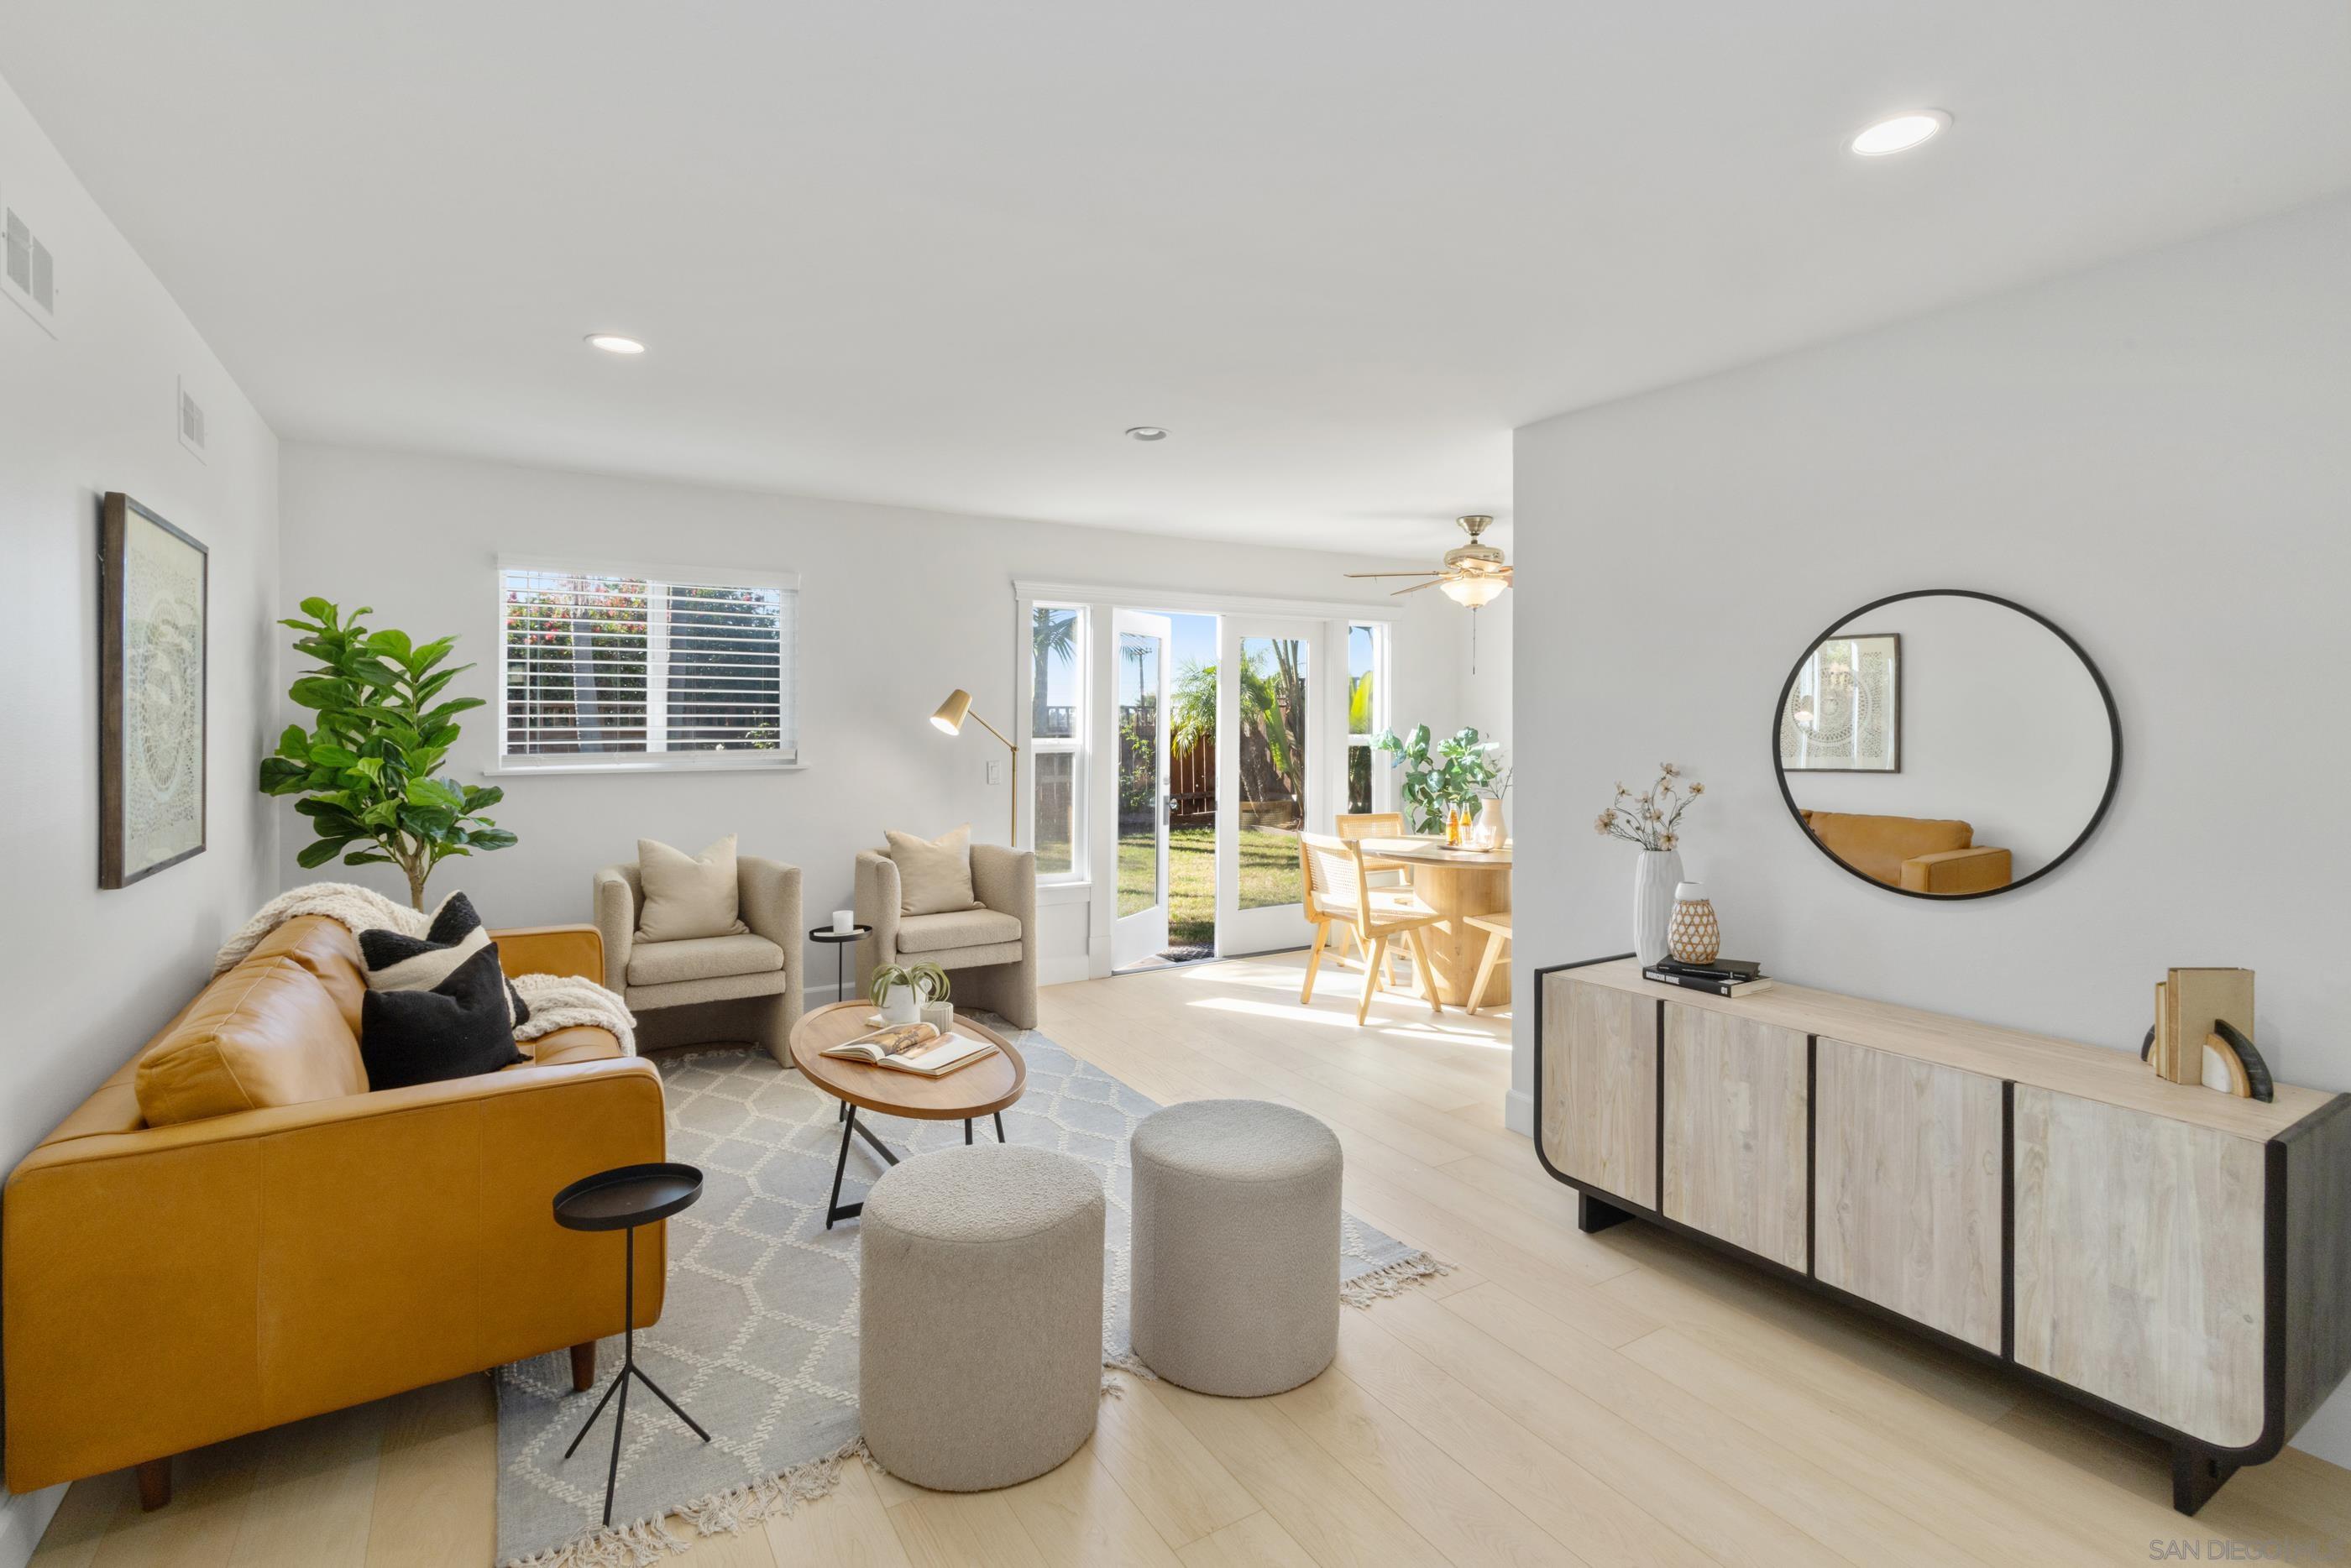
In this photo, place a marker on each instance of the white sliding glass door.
(1271, 782)
(1139, 928)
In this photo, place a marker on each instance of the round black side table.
(838, 941)
(622, 1199)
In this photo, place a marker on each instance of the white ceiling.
(943, 254)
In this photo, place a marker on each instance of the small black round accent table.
(838, 941)
(622, 1199)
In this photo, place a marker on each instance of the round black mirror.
(1947, 744)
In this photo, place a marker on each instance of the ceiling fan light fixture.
(1474, 590)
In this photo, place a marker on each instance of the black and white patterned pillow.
(397, 962)
(453, 1029)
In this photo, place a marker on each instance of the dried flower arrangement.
(1653, 820)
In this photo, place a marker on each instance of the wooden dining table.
(1457, 883)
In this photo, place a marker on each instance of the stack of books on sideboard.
(1722, 976)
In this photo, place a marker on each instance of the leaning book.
(917, 1048)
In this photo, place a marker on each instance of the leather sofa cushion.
(581, 1043)
(265, 1034)
(702, 958)
(957, 928)
(1877, 845)
(328, 951)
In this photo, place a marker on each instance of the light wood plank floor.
(1614, 1399)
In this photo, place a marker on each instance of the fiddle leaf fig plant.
(1454, 771)
(365, 768)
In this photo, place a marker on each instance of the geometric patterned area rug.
(757, 1337)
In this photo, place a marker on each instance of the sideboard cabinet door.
(1736, 1125)
(1600, 1087)
(2139, 1261)
(1906, 1177)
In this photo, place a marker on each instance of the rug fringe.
(1391, 1279)
(648, 1541)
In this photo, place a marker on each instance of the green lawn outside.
(1268, 876)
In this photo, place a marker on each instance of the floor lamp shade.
(950, 716)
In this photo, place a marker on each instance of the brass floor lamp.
(949, 721)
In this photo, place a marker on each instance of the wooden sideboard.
(2177, 1257)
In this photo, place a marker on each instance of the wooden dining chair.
(1339, 892)
(1498, 937)
(1384, 873)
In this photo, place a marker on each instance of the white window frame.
(1075, 743)
(656, 663)
(1383, 786)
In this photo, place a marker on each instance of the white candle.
(843, 922)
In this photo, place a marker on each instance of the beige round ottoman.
(980, 1315)
(1236, 1246)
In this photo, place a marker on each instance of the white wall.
(897, 608)
(2153, 454)
(88, 974)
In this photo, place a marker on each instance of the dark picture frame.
(1894, 741)
(154, 658)
(2097, 677)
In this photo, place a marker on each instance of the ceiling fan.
(1473, 574)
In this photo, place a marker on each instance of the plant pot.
(1656, 873)
(939, 1015)
(899, 1005)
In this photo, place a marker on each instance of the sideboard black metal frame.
(2198, 1468)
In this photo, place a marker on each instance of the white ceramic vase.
(900, 1005)
(1656, 873)
(1490, 832)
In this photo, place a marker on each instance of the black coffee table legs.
(836, 1210)
(629, 1368)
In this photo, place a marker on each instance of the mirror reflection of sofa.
(1918, 854)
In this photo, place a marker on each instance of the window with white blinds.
(631, 669)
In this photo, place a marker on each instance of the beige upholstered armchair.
(762, 962)
(991, 951)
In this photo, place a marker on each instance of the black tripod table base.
(835, 1209)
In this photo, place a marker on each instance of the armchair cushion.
(703, 958)
(957, 928)
(687, 896)
(934, 874)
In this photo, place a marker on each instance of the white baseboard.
(22, 1521)
(1518, 1112)
(1063, 970)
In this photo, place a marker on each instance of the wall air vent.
(192, 421)
(29, 270)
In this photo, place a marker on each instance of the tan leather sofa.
(213, 1246)
(1918, 854)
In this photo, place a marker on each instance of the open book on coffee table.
(917, 1048)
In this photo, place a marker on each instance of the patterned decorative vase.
(1656, 874)
(1693, 936)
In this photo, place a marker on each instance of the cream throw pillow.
(934, 874)
(687, 896)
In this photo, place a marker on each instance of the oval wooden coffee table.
(982, 1089)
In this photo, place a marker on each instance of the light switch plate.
(995, 771)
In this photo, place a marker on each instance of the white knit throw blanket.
(556, 1001)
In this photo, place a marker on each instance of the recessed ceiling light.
(1900, 133)
(613, 343)
(1147, 432)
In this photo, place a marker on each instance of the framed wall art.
(152, 641)
(1844, 709)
